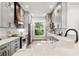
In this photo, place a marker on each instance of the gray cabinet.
(15, 45)
(5, 50)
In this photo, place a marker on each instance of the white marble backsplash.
(71, 34)
(4, 30)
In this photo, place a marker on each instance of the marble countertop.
(65, 47)
(6, 40)
(47, 50)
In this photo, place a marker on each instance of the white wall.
(73, 16)
(26, 19)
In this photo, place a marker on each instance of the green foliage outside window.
(39, 28)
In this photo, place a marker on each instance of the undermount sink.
(52, 39)
(60, 43)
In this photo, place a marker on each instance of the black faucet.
(76, 34)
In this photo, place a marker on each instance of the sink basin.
(60, 43)
(52, 39)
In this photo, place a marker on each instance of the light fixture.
(50, 8)
(11, 5)
(57, 10)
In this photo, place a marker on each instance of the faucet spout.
(75, 32)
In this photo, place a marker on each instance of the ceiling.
(38, 8)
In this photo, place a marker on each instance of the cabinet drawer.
(15, 45)
(5, 46)
(5, 49)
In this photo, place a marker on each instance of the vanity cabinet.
(15, 45)
(5, 49)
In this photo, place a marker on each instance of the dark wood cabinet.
(18, 21)
(16, 13)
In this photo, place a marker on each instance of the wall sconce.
(11, 5)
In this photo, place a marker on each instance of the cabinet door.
(4, 14)
(11, 15)
(15, 46)
(5, 50)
